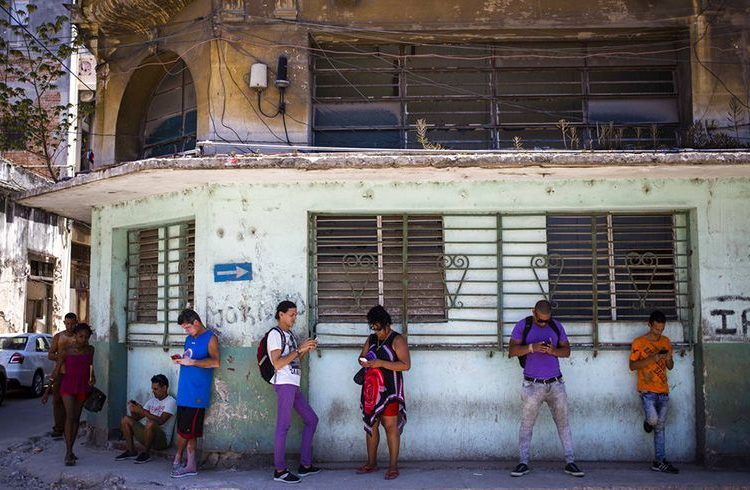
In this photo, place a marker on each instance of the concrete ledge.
(76, 197)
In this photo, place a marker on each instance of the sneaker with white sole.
(125, 455)
(304, 471)
(520, 470)
(573, 469)
(664, 467)
(286, 476)
(182, 472)
(143, 458)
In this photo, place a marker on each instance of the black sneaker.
(664, 467)
(573, 469)
(310, 470)
(143, 458)
(520, 470)
(125, 455)
(286, 476)
(647, 427)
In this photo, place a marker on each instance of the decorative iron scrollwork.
(450, 262)
(642, 264)
(355, 262)
(547, 262)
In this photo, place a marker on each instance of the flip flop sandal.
(391, 474)
(364, 469)
(70, 462)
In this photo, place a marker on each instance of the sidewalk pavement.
(38, 463)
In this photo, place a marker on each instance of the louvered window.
(393, 260)
(160, 281)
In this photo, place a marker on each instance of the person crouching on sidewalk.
(151, 424)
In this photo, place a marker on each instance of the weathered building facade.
(76, 84)
(34, 258)
(457, 243)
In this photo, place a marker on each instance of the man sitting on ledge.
(151, 424)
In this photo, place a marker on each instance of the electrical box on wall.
(258, 76)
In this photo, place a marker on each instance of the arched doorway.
(157, 114)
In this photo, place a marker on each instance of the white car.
(24, 356)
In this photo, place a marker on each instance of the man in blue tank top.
(197, 365)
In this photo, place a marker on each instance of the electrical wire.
(249, 102)
(44, 46)
(224, 93)
(554, 53)
(723, 84)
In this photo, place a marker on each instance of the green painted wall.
(242, 417)
(726, 392)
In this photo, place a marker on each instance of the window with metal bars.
(617, 267)
(362, 261)
(160, 280)
(610, 96)
(170, 125)
(470, 277)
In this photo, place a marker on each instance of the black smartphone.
(663, 351)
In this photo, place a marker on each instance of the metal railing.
(464, 280)
(161, 270)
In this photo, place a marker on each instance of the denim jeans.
(655, 407)
(533, 395)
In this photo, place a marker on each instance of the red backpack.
(265, 365)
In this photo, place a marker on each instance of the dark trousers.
(58, 408)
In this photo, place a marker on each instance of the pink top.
(77, 374)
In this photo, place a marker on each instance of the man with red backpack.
(538, 341)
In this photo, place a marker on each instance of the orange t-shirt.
(653, 377)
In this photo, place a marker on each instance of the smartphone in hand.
(176, 356)
(663, 351)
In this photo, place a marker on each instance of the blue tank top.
(194, 387)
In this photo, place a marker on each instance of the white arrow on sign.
(238, 272)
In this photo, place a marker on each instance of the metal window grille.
(469, 278)
(611, 97)
(362, 261)
(161, 265)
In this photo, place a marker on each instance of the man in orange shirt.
(651, 356)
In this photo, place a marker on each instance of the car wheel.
(37, 384)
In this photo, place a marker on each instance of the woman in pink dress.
(76, 384)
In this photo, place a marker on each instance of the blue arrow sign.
(242, 271)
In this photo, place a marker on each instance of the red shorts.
(190, 422)
(81, 397)
(391, 410)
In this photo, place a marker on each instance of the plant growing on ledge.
(31, 65)
(736, 116)
(422, 136)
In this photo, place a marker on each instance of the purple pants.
(289, 396)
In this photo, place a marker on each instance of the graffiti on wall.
(729, 317)
(238, 320)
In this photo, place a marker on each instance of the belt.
(545, 381)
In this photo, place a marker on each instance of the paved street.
(21, 417)
(30, 459)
